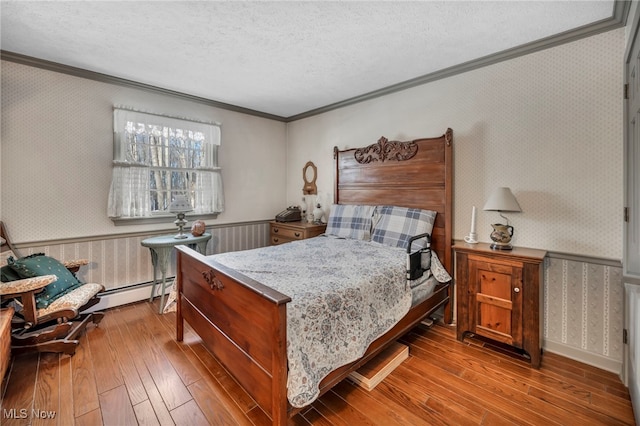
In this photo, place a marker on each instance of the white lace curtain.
(156, 157)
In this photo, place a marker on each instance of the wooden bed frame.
(243, 322)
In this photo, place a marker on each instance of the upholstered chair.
(49, 300)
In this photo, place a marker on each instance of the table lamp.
(180, 205)
(502, 200)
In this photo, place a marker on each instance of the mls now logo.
(23, 413)
(14, 413)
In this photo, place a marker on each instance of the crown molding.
(105, 78)
(618, 19)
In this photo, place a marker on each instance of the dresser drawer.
(291, 231)
(287, 233)
(275, 240)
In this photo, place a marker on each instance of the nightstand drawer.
(288, 233)
(276, 239)
(284, 232)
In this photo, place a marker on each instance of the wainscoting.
(120, 263)
(583, 309)
(582, 299)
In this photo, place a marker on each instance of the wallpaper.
(583, 306)
(549, 125)
(57, 152)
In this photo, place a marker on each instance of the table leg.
(164, 284)
(164, 253)
(154, 263)
(202, 247)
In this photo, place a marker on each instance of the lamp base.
(180, 223)
(501, 237)
(501, 246)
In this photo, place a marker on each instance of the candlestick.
(473, 220)
(471, 238)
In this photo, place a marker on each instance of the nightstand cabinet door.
(499, 296)
(495, 290)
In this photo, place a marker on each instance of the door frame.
(630, 373)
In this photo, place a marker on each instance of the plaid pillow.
(396, 225)
(350, 221)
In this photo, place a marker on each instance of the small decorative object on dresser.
(318, 214)
(291, 231)
(498, 296)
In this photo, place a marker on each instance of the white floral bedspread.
(344, 295)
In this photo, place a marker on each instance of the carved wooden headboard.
(417, 173)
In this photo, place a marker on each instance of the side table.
(161, 247)
(499, 295)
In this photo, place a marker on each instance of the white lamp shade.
(502, 200)
(180, 204)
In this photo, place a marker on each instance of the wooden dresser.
(5, 340)
(498, 295)
(283, 232)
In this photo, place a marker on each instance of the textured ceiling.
(281, 58)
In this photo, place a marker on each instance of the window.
(156, 158)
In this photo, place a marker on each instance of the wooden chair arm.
(74, 265)
(19, 287)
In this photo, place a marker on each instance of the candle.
(473, 220)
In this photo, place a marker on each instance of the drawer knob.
(297, 234)
(517, 290)
(275, 230)
(211, 279)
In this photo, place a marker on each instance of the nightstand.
(284, 232)
(498, 296)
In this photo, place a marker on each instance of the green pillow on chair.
(7, 274)
(37, 265)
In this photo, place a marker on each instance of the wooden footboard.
(243, 324)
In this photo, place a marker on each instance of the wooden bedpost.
(448, 260)
(279, 402)
(179, 318)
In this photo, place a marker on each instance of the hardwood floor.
(130, 370)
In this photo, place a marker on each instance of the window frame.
(134, 149)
